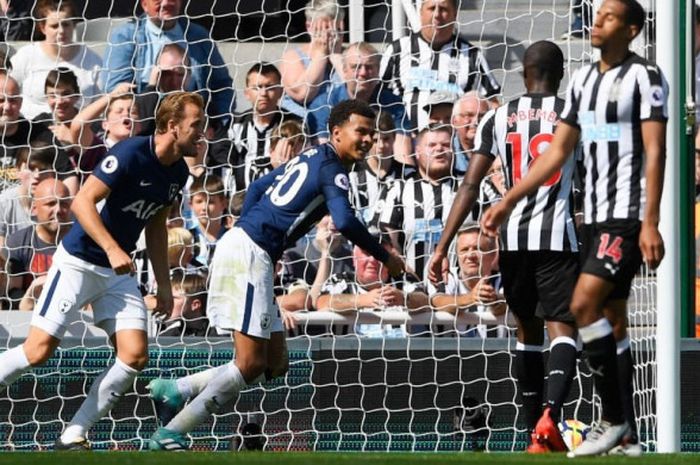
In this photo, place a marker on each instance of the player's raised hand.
(438, 267)
(120, 261)
(164, 303)
(652, 245)
(494, 217)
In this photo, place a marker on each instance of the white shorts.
(241, 296)
(72, 283)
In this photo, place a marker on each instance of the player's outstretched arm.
(650, 241)
(157, 244)
(467, 194)
(85, 211)
(561, 148)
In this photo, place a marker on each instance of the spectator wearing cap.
(133, 50)
(371, 288)
(439, 107)
(435, 59)
(361, 70)
(466, 114)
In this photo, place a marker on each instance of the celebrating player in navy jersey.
(617, 108)
(137, 181)
(538, 259)
(279, 209)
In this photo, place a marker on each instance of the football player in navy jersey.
(137, 180)
(279, 209)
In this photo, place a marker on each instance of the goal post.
(671, 17)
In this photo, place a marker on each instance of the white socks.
(13, 363)
(190, 386)
(104, 393)
(222, 388)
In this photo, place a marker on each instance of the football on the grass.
(573, 432)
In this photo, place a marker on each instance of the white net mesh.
(414, 385)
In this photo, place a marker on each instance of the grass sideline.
(324, 458)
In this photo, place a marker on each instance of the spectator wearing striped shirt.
(435, 59)
(417, 208)
(371, 180)
(251, 131)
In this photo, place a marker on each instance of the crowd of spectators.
(62, 107)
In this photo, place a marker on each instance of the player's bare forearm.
(84, 207)
(654, 139)
(544, 167)
(156, 233)
(467, 195)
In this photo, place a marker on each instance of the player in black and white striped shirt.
(617, 107)
(418, 206)
(538, 260)
(435, 59)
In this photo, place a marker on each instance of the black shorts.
(611, 251)
(541, 277)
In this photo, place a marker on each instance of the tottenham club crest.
(265, 321)
(172, 193)
(110, 164)
(64, 306)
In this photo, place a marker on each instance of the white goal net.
(418, 381)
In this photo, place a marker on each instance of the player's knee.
(38, 352)
(251, 367)
(581, 309)
(280, 368)
(136, 360)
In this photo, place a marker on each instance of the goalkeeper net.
(434, 391)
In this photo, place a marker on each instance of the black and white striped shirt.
(251, 146)
(413, 70)
(368, 192)
(518, 132)
(609, 109)
(419, 209)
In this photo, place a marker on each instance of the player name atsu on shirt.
(532, 115)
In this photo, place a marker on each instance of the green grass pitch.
(325, 458)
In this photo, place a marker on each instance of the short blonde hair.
(178, 240)
(173, 107)
(323, 9)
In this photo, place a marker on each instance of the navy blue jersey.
(140, 187)
(283, 205)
